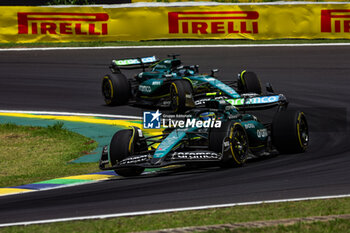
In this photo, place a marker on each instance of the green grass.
(210, 217)
(70, 2)
(335, 226)
(30, 154)
(168, 42)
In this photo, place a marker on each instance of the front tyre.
(122, 146)
(290, 132)
(249, 83)
(115, 89)
(231, 140)
(178, 91)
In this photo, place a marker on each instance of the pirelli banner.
(257, 22)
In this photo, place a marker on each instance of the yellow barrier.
(256, 22)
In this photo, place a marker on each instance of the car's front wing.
(147, 160)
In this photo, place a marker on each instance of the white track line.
(174, 46)
(189, 4)
(128, 214)
(71, 114)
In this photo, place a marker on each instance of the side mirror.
(213, 71)
(195, 68)
(269, 88)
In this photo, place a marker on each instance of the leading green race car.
(234, 137)
(170, 84)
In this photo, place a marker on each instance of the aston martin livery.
(168, 83)
(234, 137)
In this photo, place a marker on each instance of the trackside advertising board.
(256, 22)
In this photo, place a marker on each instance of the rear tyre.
(122, 146)
(232, 140)
(249, 83)
(178, 91)
(290, 132)
(115, 89)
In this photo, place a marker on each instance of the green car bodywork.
(154, 87)
(237, 137)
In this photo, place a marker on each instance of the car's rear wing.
(133, 63)
(258, 102)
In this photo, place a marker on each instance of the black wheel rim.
(239, 143)
(106, 89)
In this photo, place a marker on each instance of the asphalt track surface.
(315, 79)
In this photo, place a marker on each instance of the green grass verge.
(30, 154)
(167, 42)
(339, 225)
(69, 2)
(210, 217)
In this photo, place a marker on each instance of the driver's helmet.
(185, 72)
(207, 115)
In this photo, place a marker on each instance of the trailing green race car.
(233, 138)
(170, 84)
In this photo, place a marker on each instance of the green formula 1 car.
(229, 140)
(168, 83)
